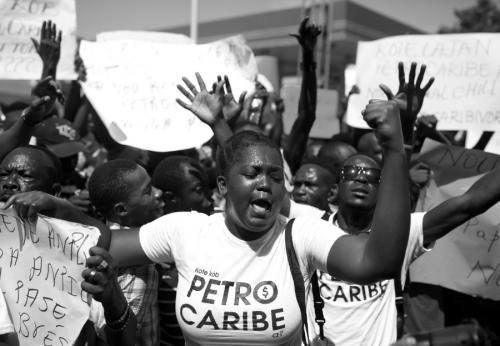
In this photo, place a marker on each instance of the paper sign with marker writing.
(133, 87)
(466, 92)
(450, 162)
(467, 259)
(21, 20)
(40, 275)
(326, 123)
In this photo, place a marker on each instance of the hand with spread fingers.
(308, 34)
(45, 93)
(49, 47)
(409, 91)
(207, 106)
(383, 117)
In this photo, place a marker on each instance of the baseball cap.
(59, 136)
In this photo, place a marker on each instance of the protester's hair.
(323, 163)
(244, 125)
(107, 184)
(342, 137)
(230, 152)
(56, 163)
(363, 155)
(169, 175)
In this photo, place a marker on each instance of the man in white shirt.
(366, 314)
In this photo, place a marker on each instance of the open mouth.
(261, 206)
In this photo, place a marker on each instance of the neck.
(353, 220)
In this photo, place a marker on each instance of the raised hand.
(409, 91)
(45, 93)
(230, 108)
(307, 35)
(49, 46)
(384, 118)
(29, 204)
(205, 105)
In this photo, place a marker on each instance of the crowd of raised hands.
(259, 177)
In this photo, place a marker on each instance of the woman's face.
(254, 191)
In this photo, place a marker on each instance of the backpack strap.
(318, 304)
(326, 215)
(298, 279)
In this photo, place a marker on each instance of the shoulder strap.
(318, 304)
(399, 306)
(298, 280)
(326, 215)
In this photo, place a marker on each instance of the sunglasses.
(372, 175)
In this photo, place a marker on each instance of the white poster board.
(466, 92)
(467, 259)
(133, 87)
(21, 20)
(40, 275)
(326, 124)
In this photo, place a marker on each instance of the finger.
(53, 32)
(43, 32)
(303, 24)
(214, 85)
(95, 290)
(36, 44)
(228, 85)
(184, 104)
(99, 251)
(93, 261)
(190, 85)
(421, 75)
(387, 91)
(32, 213)
(185, 92)
(9, 202)
(428, 85)
(411, 78)
(401, 70)
(219, 89)
(59, 37)
(201, 83)
(241, 100)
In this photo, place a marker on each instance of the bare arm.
(379, 255)
(453, 212)
(297, 141)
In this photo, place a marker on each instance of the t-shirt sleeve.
(415, 245)
(312, 239)
(161, 237)
(304, 210)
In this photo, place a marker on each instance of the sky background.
(95, 16)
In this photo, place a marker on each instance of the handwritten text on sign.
(133, 87)
(40, 275)
(21, 20)
(468, 258)
(466, 92)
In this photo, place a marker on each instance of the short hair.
(54, 160)
(168, 175)
(230, 152)
(107, 184)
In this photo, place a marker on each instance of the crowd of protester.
(331, 223)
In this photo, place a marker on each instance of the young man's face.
(312, 186)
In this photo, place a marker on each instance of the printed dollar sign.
(265, 293)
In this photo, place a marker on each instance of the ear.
(56, 189)
(221, 184)
(120, 209)
(332, 194)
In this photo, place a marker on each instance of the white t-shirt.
(360, 315)
(235, 292)
(6, 325)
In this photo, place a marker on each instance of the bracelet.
(311, 67)
(121, 322)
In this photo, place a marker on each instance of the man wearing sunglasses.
(367, 314)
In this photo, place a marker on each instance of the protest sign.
(148, 36)
(40, 275)
(450, 162)
(468, 258)
(326, 123)
(133, 87)
(21, 20)
(466, 92)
